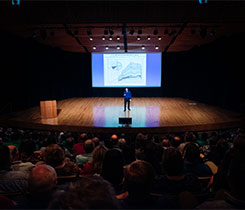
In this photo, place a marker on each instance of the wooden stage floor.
(152, 115)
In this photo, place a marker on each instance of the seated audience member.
(27, 149)
(84, 161)
(90, 192)
(188, 138)
(87, 157)
(127, 151)
(16, 163)
(11, 181)
(112, 170)
(220, 180)
(203, 140)
(235, 197)
(175, 181)
(42, 184)
(96, 141)
(55, 156)
(6, 203)
(153, 154)
(139, 177)
(98, 158)
(166, 143)
(79, 146)
(193, 163)
(218, 152)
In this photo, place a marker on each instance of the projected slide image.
(124, 69)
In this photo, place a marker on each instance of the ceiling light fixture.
(148, 38)
(155, 32)
(138, 38)
(131, 31)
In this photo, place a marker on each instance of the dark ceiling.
(165, 26)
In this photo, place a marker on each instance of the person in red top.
(79, 147)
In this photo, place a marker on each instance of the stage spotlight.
(159, 38)
(107, 48)
(148, 38)
(138, 38)
(118, 47)
(111, 32)
(143, 47)
(110, 38)
(106, 32)
(203, 1)
(166, 31)
(118, 37)
(103, 38)
(91, 38)
(139, 31)
(94, 47)
(131, 31)
(156, 47)
(155, 32)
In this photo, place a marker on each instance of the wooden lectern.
(48, 109)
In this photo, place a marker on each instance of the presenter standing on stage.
(127, 98)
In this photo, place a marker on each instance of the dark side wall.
(31, 72)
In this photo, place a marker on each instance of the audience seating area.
(64, 170)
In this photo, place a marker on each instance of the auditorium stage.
(151, 115)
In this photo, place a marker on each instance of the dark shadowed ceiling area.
(128, 26)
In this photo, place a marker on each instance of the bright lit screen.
(126, 70)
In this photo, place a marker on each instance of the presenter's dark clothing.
(127, 97)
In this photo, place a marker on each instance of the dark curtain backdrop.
(31, 72)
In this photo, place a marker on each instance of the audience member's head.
(166, 143)
(141, 141)
(175, 141)
(239, 142)
(114, 139)
(88, 146)
(26, 149)
(90, 192)
(83, 137)
(139, 176)
(189, 137)
(54, 155)
(112, 169)
(192, 153)
(42, 180)
(98, 158)
(96, 141)
(4, 157)
(14, 153)
(121, 142)
(173, 162)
